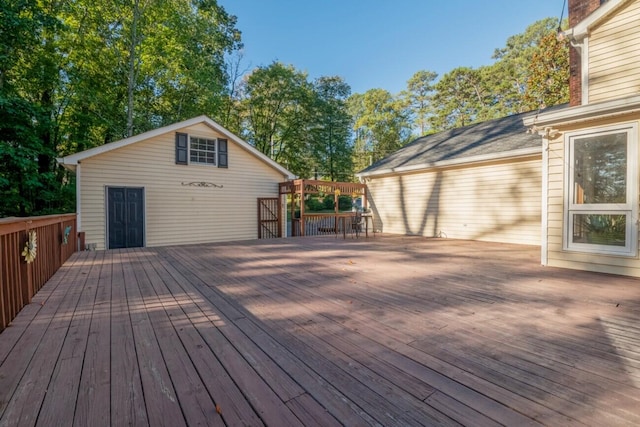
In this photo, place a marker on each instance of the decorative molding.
(201, 184)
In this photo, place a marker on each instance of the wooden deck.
(322, 331)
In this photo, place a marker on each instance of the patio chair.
(357, 224)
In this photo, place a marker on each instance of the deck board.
(321, 331)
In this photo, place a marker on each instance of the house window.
(202, 151)
(602, 193)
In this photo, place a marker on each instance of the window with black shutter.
(182, 148)
(197, 150)
(223, 158)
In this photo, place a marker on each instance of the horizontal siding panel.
(625, 83)
(500, 202)
(603, 60)
(618, 39)
(614, 47)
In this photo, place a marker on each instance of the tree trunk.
(132, 67)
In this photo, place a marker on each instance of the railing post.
(60, 248)
(81, 241)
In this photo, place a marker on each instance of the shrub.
(344, 203)
(314, 204)
(328, 203)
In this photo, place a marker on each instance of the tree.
(462, 97)
(420, 88)
(330, 129)
(548, 81)
(28, 63)
(276, 102)
(509, 75)
(76, 74)
(381, 125)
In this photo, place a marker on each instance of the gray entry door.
(125, 217)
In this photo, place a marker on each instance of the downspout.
(581, 45)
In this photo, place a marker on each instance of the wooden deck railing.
(20, 280)
(323, 224)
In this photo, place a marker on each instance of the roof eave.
(482, 158)
(584, 113)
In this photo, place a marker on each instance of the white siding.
(614, 49)
(174, 213)
(557, 257)
(497, 202)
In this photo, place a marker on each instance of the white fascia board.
(582, 113)
(482, 158)
(581, 30)
(71, 160)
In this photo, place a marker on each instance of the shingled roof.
(499, 138)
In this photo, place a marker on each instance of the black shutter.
(182, 148)
(223, 157)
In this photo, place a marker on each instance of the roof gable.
(73, 159)
(506, 137)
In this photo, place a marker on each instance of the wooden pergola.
(299, 189)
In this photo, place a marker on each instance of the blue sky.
(381, 43)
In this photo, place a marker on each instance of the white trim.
(482, 158)
(582, 113)
(189, 162)
(73, 159)
(78, 200)
(629, 209)
(544, 221)
(584, 71)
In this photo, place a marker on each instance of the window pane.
(600, 229)
(600, 169)
(203, 151)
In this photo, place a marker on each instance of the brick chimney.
(578, 10)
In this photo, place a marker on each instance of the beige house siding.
(175, 213)
(499, 202)
(613, 52)
(556, 217)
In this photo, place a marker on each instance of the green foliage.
(328, 203)
(419, 93)
(548, 80)
(462, 97)
(330, 129)
(302, 125)
(344, 203)
(381, 125)
(276, 104)
(74, 75)
(313, 204)
(530, 71)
